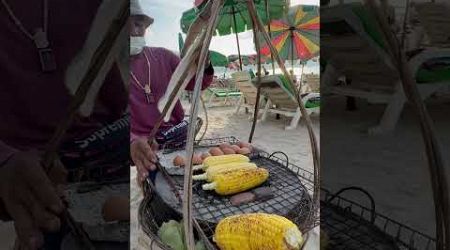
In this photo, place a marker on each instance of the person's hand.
(30, 198)
(143, 156)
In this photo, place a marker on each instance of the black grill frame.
(350, 225)
(304, 214)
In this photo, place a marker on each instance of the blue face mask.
(137, 44)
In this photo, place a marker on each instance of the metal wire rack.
(291, 184)
(349, 225)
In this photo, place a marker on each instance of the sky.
(165, 29)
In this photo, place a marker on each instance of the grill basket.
(349, 225)
(210, 208)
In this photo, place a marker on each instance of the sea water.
(312, 66)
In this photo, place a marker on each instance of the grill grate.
(349, 225)
(288, 192)
(292, 188)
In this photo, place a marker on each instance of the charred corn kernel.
(221, 159)
(212, 171)
(232, 182)
(257, 231)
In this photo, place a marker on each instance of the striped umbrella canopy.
(234, 16)
(297, 35)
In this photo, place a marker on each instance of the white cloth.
(136, 10)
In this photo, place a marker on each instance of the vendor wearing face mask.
(150, 72)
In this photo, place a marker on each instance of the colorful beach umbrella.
(234, 16)
(297, 35)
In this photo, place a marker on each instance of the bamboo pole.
(292, 50)
(237, 37)
(312, 137)
(177, 80)
(197, 27)
(96, 64)
(50, 158)
(258, 93)
(436, 165)
(270, 33)
(301, 77)
(187, 185)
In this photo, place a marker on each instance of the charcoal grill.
(292, 187)
(349, 225)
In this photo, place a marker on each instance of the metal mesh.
(348, 226)
(292, 188)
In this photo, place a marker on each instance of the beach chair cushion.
(224, 92)
(437, 70)
(280, 95)
(312, 103)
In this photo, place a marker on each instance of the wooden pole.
(292, 51)
(50, 157)
(237, 37)
(436, 165)
(258, 93)
(188, 170)
(301, 78)
(312, 136)
(270, 34)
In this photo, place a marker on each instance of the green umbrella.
(217, 59)
(234, 16)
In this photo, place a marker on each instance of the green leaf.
(170, 234)
(200, 246)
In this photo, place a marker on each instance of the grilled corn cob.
(233, 182)
(221, 159)
(212, 171)
(257, 231)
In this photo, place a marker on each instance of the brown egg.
(215, 151)
(116, 208)
(224, 145)
(244, 151)
(178, 161)
(245, 145)
(235, 147)
(228, 151)
(205, 155)
(197, 159)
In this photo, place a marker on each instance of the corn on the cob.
(221, 159)
(212, 171)
(233, 182)
(257, 231)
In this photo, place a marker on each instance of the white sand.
(392, 167)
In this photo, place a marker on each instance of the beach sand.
(398, 159)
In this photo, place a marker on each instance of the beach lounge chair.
(222, 93)
(243, 83)
(430, 23)
(354, 48)
(280, 100)
(311, 83)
